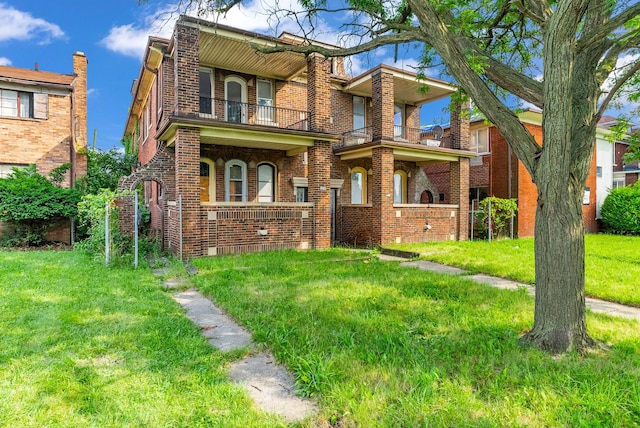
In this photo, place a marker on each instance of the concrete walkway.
(269, 384)
(595, 305)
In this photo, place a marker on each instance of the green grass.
(88, 346)
(380, 345)
(612, 262)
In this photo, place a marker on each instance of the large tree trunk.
(559, 318)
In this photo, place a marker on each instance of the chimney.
(36, 67)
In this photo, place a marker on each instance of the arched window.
(235, 181)
(426, 197)
(235, 95)
(358, 186)
(207, 181)
(399, 187)
(266, 182)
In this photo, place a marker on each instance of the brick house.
(496, 171)
(43, 121)
(241, 151)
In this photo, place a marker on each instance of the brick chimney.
(79, 115)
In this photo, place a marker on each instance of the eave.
(421, 155)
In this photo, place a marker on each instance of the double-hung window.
(235, 178)
(480, 141)
(265, 101)
(358, 113)
(16, 103)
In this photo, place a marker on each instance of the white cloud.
(4, 61)
(18, 25)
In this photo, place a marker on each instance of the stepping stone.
(161, 271)
(172, 283)
(271, 387)
(435, 267)
(223, 333)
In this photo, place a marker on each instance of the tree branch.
(603, 31)
(619, 83)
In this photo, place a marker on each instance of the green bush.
(500, 211)
(30, 204)
(621, 211)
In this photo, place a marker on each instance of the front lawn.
(381, 345)
(88, 346)
(612, 262)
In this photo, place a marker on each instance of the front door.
(204, 181)
(235, 100)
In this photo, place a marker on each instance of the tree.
(104, 169)
(493, 47)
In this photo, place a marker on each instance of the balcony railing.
(253, 114)
(427, 137)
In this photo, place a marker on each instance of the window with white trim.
(358, 186)
(206, 90)
(480, 141)
(358, 112)
(618, 182)
(235, 181)
(7, 168)
(399, 187)
(264, 92)
(16, 103)
(266, 183)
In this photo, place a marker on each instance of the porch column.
(319, 156)
(459, 171)
(186, 71)
(382, 105)
(382, 195)
(187, 166)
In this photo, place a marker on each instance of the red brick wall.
(382, 103)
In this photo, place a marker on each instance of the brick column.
(187, 166)
(382, 105)
(79, 160)
(319, 105)
(459, 171)
(187, 74)
(318, 93)
(382, 194)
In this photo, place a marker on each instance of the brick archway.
(161, 169)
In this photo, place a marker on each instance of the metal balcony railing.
(428, 137)
(253, 114)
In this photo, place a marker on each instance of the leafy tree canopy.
(104, 170)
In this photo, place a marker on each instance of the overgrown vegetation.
(495, 216)
(104, 169)
(379, 345)
(30, 204)
(621, 210)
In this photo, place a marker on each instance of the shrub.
(30, 204)
(500, 211)
(621, 211)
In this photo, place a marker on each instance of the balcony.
(253, 114)
(428, 137)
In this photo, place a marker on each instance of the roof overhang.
(407, 87)
(257, 137)
(421, 155)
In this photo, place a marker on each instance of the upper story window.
(235, 181)
(358, 186)
(235, 95)
(480, 141)
(266, 183)
(206, 91)
(265, 100)
(358, 112)
(16, 103)
(398, 120)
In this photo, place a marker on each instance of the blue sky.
(113, 35)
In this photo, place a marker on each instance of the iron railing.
(428, 137)
(253, 114)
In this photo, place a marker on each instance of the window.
(235, 99)
(206, 91)
(618, 182)
(7, 168)
(265, 101)
(599, 171)
(15, 103)
(480, 141)
(266, 183)
(302, 194)
(477, 194)
(398, 120)
(358, 186)
(235, 181)
(400, 187)
(358, 112)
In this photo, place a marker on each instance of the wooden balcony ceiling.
(406, 86)
(231, 50)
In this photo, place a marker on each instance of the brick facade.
(55, 135)
(310, 204)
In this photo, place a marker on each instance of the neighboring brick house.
(241, 151)
(496, 171)
(43, 121)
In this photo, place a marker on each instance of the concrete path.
(270, 385)
(595, 305)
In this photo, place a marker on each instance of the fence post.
(106, 233)
(489, 208)
(180, 223)
(511, 227)
(135, 229)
